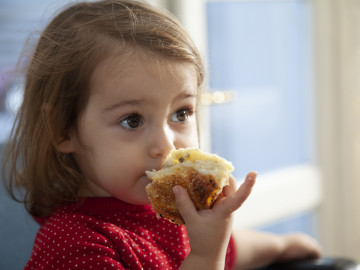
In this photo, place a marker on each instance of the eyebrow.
(185, 95)
(135, 102)
(131, 102)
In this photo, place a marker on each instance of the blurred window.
(20, 24)
(261, 50)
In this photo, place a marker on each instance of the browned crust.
(203, 191)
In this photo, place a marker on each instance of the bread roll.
(203, 175)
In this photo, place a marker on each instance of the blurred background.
(283, 99)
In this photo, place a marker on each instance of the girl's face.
(135, 116)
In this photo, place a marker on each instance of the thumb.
(185, 204)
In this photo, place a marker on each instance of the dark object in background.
(332, 263)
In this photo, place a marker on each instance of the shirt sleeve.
(230, 255)
(73, 247)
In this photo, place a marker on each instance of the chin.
(137, 195)
(140, 201)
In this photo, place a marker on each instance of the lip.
(144, 177)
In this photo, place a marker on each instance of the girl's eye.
(132, 121)
(181, 115)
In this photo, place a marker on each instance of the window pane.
(262, 51)
(303, 222)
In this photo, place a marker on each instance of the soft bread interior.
(202, 174)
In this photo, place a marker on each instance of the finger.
(233, 202)
(231, 188)
(184, 203)
(245, 189)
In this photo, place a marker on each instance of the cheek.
(113, 163)
(108, 172)
(189, 138)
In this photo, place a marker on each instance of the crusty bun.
(203, 175)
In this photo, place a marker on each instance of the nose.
(161, 141)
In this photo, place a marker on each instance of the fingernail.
(176, 189)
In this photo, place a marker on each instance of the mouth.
(149, 172)
(146, 178)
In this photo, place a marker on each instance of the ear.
(67, 144)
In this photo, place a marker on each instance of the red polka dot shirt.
(106, 233)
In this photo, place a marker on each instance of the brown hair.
(57, 89)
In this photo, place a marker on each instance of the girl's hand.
(209, 230)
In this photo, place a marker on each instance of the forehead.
(125, 65)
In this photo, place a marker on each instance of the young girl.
(110, 90)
